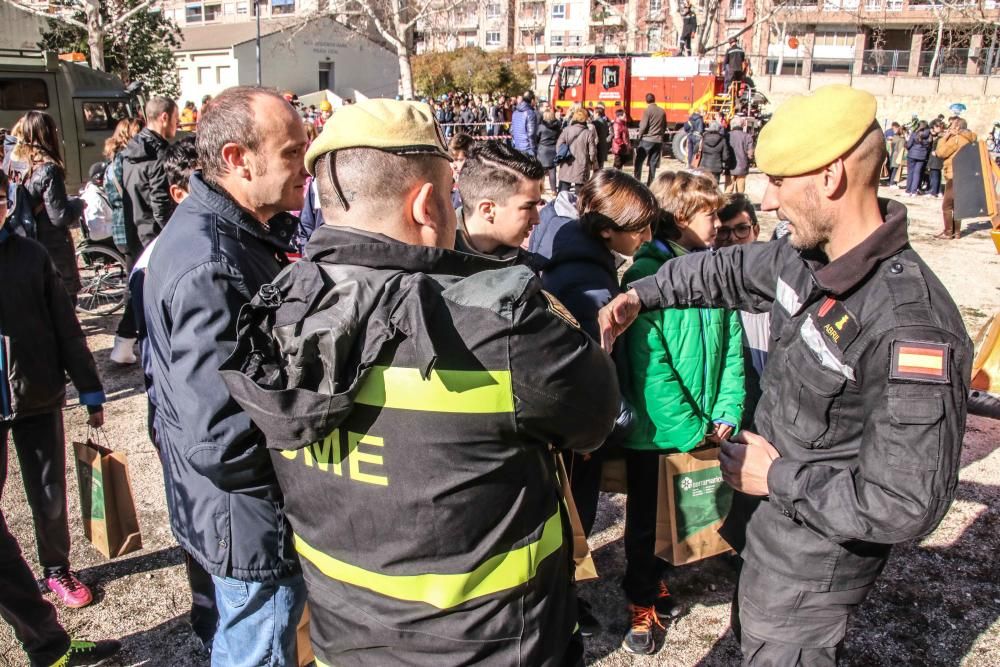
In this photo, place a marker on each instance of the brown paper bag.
(585, 568)
(109, 519)
(693, 502)
(613, 479)
(304, 649)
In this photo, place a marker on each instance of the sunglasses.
(740, 232)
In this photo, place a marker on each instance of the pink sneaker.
(71, 591)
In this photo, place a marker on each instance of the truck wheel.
(680, 146)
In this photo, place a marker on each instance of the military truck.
(85, 103)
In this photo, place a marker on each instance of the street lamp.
(256, 10)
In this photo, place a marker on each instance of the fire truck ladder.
(724, 104)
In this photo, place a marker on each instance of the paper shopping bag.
(585, 568)
(304, 649)
(693, 502)
(106, 502)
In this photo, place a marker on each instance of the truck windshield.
(570, 76)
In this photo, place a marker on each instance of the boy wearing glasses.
(738, 226)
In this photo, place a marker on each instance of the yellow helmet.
(325, 106)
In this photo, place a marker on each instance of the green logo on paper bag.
(700, 499)
(93, 479)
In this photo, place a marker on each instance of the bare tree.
(393, 21)
(95, 23)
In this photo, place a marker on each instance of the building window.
(213, 12)
(575, 40)
(23, 94)
(559, 11)
(655, 6)
(737, 9)
(192, 13)
(241, 8)
(556, 40)
(493, 10)
(835, 38)
(493, 39)
(282, 6)
(470, 40)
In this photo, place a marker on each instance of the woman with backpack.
(577, 160)
(54, 211)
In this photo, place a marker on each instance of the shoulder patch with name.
(559, 310)
(920, 362)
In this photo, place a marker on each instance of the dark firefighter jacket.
(411, 408)
(864, 396)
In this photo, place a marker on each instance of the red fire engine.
(680, 84)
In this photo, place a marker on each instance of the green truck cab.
(85, 103)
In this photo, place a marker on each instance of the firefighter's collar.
(847, 271)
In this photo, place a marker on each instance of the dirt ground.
(937, 603)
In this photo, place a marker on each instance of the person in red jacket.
(621, 147)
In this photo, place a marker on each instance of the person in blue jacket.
(524, 125)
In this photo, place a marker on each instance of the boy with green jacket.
(684, 379)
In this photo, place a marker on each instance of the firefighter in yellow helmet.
(412, 397)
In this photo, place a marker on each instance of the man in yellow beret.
(411, 396)
(860, 424)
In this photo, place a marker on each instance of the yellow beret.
(388, 125)
(808, 132)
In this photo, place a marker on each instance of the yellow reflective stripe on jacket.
(444, 591)
(462, 392)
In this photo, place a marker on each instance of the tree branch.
(118, 20)
(763, 19)
(58, 16)
(425, 11)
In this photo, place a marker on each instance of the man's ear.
(834, 179)
(422, 208)
(235, 158)
(486, 209)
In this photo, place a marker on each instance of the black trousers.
(21, 604)
(643, 569)
(126, 325)
(41, 451)
(779, 624)
(585, 482)
(648, 152)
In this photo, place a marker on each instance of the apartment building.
(552, 27)
(195, 13)
(896, 37)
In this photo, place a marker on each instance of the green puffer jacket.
(685, 366)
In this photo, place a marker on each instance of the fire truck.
(680, 84)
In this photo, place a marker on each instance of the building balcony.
(609, 19)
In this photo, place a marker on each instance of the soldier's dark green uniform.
(411, 395)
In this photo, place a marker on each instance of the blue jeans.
(257, 622)
(935, 187)
(914, 174)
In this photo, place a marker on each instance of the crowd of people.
(366, 349)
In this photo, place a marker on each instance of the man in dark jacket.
(227, 238)
(414, 412)
(714, 151)
(741, 152)
(652, 129)
(146, 202)
(524, 125)
(735, 63)
(864, 393)
(147, 196)
(603, 128)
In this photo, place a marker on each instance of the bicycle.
(103, 275)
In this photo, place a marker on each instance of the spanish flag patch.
(920, 362)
